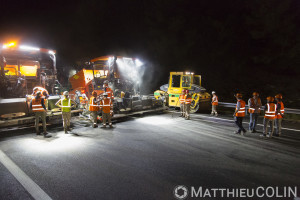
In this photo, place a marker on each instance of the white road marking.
(34, 190)
(290, 129)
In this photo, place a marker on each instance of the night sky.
(235, 45)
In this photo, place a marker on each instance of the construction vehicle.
(21, 69)
(124, 77)
(178, 81)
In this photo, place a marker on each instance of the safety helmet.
(238, 95)
(105, 94)
(105, 82)
(183, 91)
(255, 94)
(94, 93)
(270, 99)
(186, 91)
(66, 93)
(278, 96)
(213, 92)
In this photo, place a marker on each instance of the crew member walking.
(239, 114)
(187, 107)
(280, 114)
(66, 104)
(37, 105)
(94, 108)
(254, 104)
(270, 113)
(214, 103)
(107, 108)
(182, 102)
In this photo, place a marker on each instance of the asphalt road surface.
(144, 157)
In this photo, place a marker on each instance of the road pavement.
(144, 157)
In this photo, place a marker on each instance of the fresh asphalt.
(145, 157)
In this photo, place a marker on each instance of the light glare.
(29, 48)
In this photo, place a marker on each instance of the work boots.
(47, 135)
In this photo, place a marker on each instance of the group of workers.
(185, 100)
(102, 102)
(273, 114)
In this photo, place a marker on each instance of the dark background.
(235, 45)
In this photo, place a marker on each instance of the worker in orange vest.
(37, 106)
(108, 90)
(269, 118)
(280, 114)
(187, 102)
(182, 102)
(94, 109)
(107, 109)
(214, 104)
(239, 114)
(254, 105)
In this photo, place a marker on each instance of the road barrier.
(286, 110)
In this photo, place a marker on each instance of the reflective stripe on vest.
(37, 105)
(241, 112)
(188, 101)
(65, 108)
(93, 107)
(270, 112)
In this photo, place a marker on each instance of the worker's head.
(38, 94)
(183, 91)
(66, 94)
(238, 96)
(187, 91)
(105, 95)
(105, 83)
(278, 97)
(255, 94)
(94, 93)
(213, 92)
(270, 99)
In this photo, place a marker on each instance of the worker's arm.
(43, 104)
(278, 109)
(31, 104)
(58, 103)
(238, 106)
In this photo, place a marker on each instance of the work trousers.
(214, 110)
(187, 110)
(253, 121)
(94, 116)
(239, 123)
(41, 115)
(266, 123)
(106, 117)
(278, 126)
(182, 109)
(66, 116)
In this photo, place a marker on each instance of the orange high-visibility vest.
(93, 106)
(215, 101)
(188, 99)
(182, 99)
(242, 110)
(251, 108)
(106, 105)
(271, 111)
(110, 93)
(278, 116)
(37, 105)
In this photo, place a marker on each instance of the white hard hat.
(66, 93)
(213, 92)
(105, 94)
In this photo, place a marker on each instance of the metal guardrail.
(286, 110)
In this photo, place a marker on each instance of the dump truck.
(178, 81)
(21, 69)
(124, 77)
